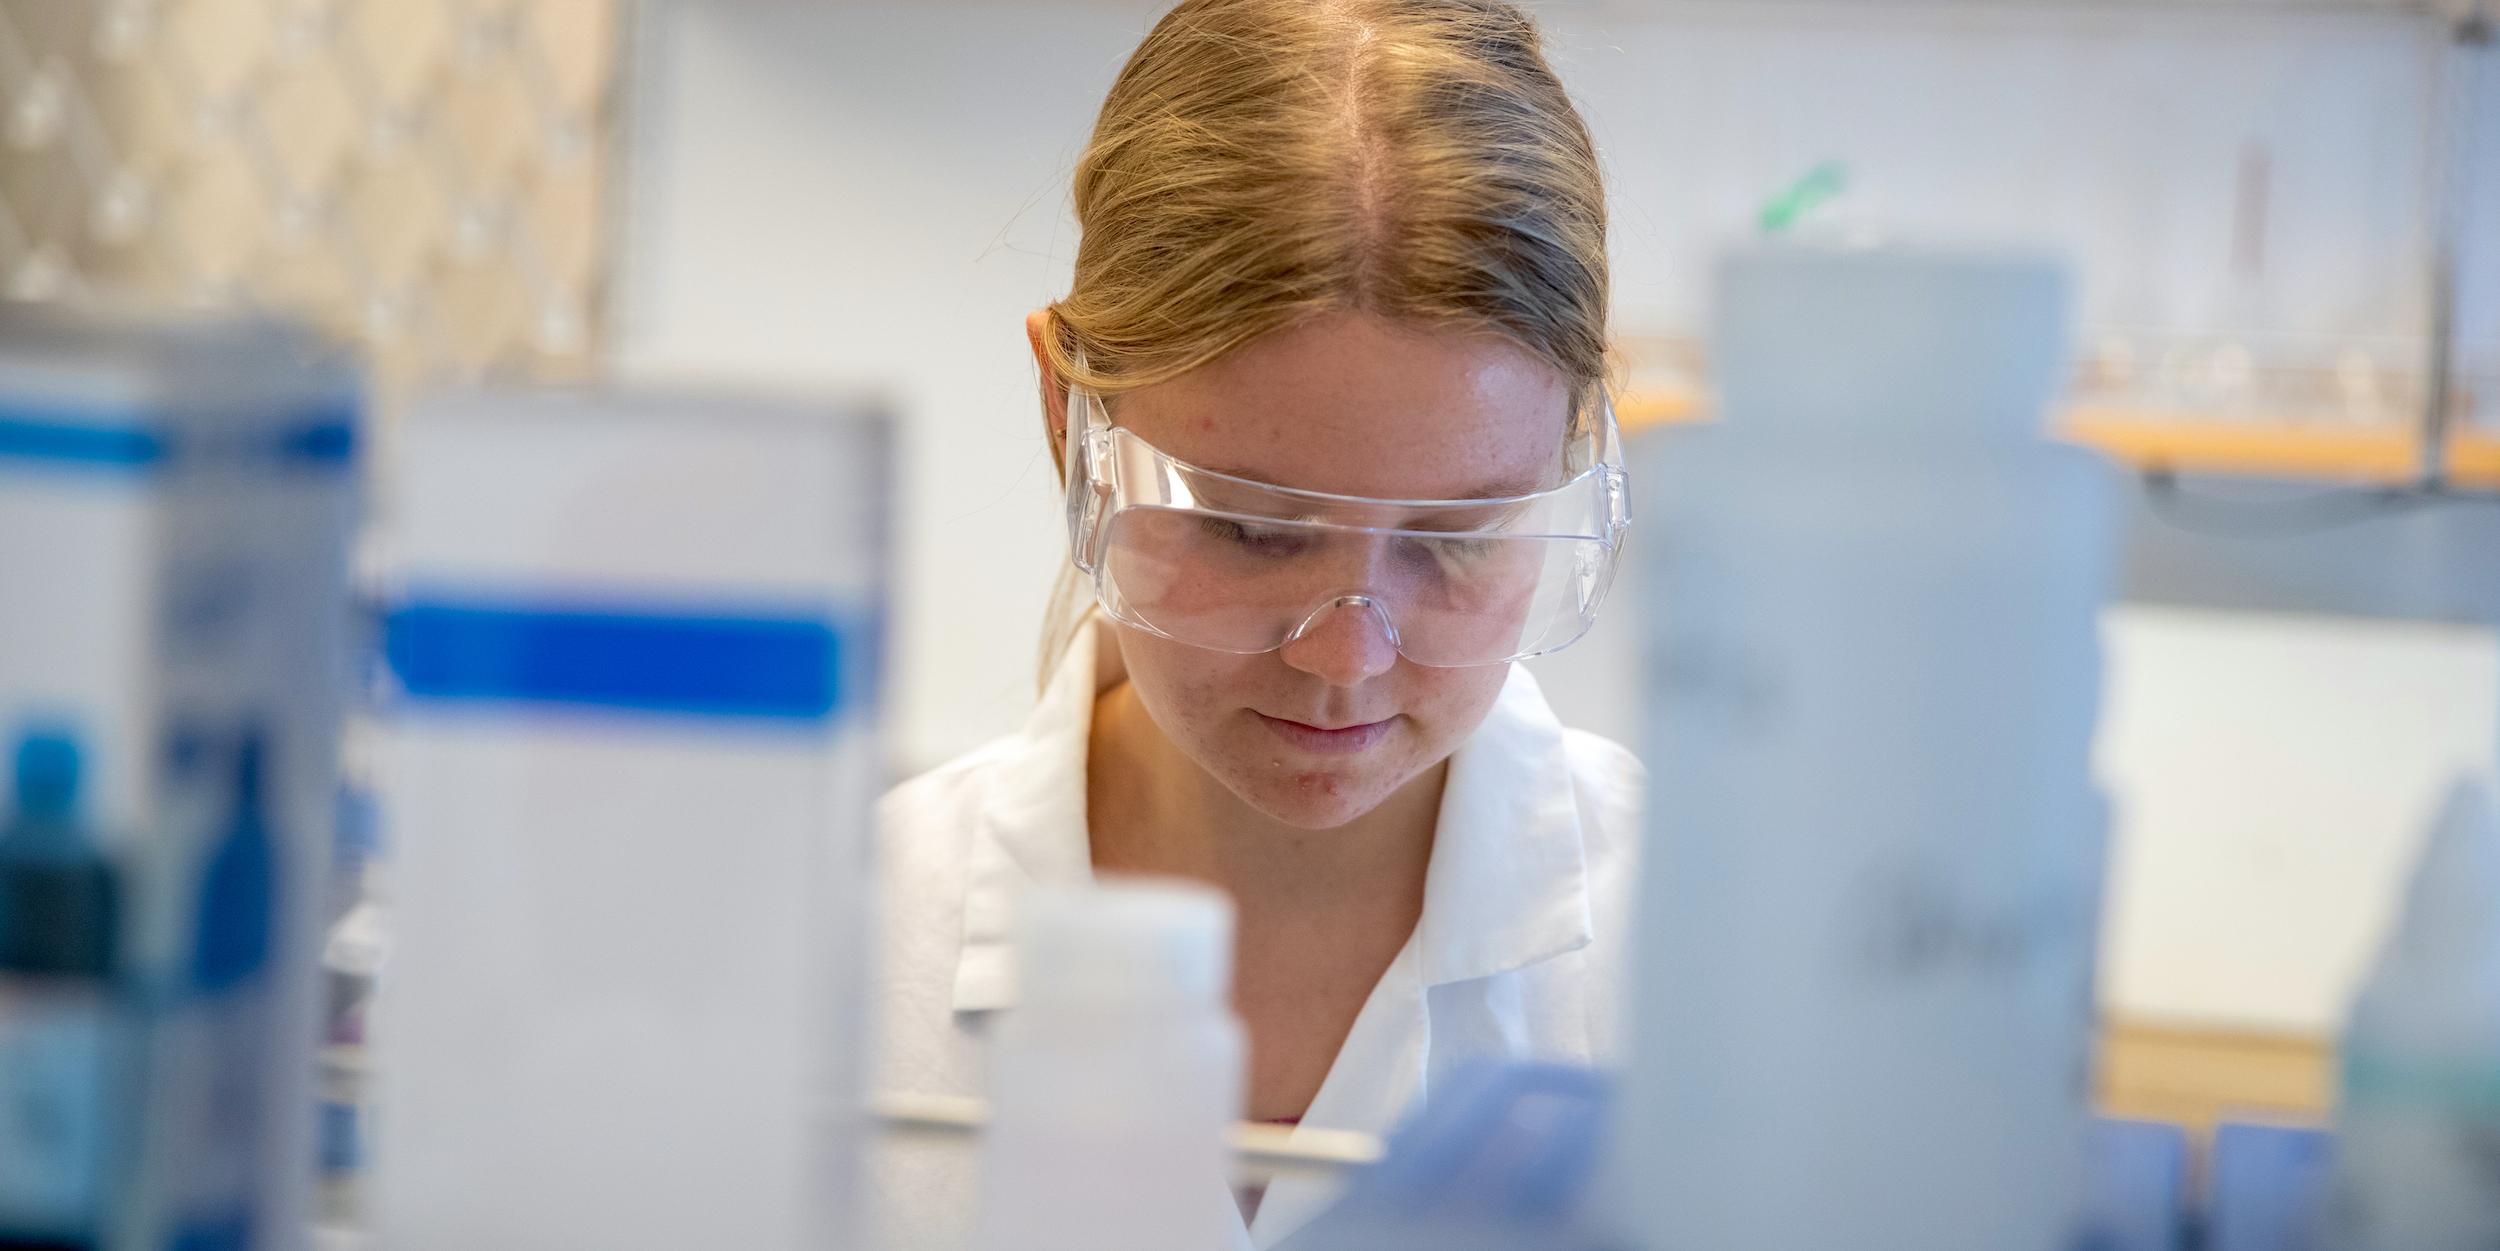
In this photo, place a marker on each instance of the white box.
(176, 498)
(628, 794)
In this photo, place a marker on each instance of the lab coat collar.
(1032, 827)
(1507, 886)
(1508, 882)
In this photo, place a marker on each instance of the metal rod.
(1260, 1152)
(2452, 146)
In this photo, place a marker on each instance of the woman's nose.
(1347, 641)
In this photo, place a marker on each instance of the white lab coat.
(1517, 954)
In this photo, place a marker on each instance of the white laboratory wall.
(2118, 131)
(875, 193)
(2274, 777)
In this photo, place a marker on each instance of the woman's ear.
(1054, 393)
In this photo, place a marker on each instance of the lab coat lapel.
(1507, 888)
(1032, 823)
(1508, 882)
(1377, 1074)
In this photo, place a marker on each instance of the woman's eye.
(1256, 539)
(1448, 555)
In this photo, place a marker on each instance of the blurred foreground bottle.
(1115, 1076)
(64, 1017)
(176, 496)
(2417, 1153)
(1862, 1000)
(635, 644)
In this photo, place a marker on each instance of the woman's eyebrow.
(1505, 488)
(1489, 516)
(1496, 489)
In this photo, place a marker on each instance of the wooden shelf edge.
(2149, 439)
(2197, 1075)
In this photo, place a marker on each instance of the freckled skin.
(1354, 405)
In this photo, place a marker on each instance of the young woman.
(1327, 390)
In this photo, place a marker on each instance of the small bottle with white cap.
(1115, 1077)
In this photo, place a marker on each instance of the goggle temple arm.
(1088, 491)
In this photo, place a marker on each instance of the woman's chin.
(1311, 798)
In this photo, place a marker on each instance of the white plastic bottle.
(2417, 1151)
(1114, 1078)
(1861, 1004)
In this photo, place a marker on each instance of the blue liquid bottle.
(63, 1018)
(225, 1031)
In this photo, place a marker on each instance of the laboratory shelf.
(2180, 442)
(2195, 444)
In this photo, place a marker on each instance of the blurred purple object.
(2269, 1188)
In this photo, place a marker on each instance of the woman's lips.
(1323, 741)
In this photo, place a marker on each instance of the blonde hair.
(1261, 162)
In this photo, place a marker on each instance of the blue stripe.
(73, 437)
(69, 443)
(324, 437)
(710, 664)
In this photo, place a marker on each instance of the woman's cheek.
(1448, 704)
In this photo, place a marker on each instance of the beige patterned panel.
(427, 177)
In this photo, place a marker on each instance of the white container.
(1863, 996)
(627, 784)
(2418, 1117)
(1115, 1077)
(176, 498)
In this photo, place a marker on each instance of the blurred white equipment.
(2418, 1121)
(628, 787)
(1116, 1076)
(176, 497)
(1863, 990)
(1261, 1152)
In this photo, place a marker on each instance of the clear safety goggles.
(1241, 566)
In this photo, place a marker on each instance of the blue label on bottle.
(322, 437)
(736, 664)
